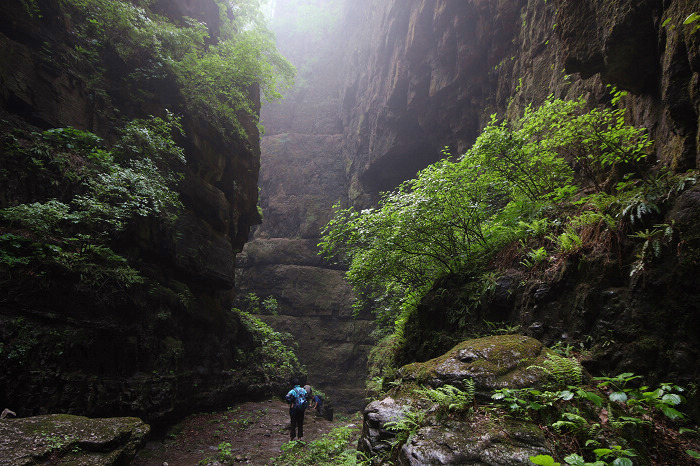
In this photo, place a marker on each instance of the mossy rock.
(503, 361)
(66, 439)
(483, 439)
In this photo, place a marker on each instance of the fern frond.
(563, 371)
(450, 397)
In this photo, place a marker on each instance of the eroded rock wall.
(428, 73)
(160, 350)
(302, 176)
(402, 79)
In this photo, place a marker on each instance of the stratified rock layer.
(302, 176)
(158, 350)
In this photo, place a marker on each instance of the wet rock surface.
(480, 438)
(65, 439)
(491, 362)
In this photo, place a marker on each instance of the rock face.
(302, 176)
(508, 443)
(64, 439)
(429, 73)
(402, 79)
(159, 350)
(492, 363)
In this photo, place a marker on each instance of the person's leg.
(292, 431)
(300, 424)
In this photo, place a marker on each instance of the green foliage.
(617, 455)
(405, 426)
(449, 397)
(217, 82)
(252, 304)
(456, 213)
(641, 399)
(225, 453)
(381, 361)
(544, 460)
(535, 257)
(572, 422)
(524, 400)
(218, 76)
(41, 218)
(31, 7)
(333, 448)
(561, 371)
(651, 248)
(135, 179)
(271, 357)
(19, 341)
(692, 18)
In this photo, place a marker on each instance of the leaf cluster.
(219, 67)
(457, 213)
(333, 448)
(102, 192)
(271, 356)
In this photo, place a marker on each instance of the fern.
(638, 208)
(571, 422)
(405, 426)
(450, 397)
(562, 371)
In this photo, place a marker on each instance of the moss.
(493, 362)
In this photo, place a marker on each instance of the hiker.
(317, 403)
(296, 397)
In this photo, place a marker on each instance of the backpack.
(298, 396)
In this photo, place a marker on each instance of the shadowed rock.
(475, 438)
(65, 439)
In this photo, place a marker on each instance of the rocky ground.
(255, 430)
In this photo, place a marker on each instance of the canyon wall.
(429, 74)
(158, 349)
(302, 176)
(399, 80)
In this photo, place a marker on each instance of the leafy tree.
(456, 213)
(217, 74)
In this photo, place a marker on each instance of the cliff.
(394, 82)
(153, 335)
(302, 176)
(429, 73)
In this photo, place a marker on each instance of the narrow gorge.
(157, 173)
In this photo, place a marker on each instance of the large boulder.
(504, 361)
(65, 439)
(492, 362)
(480, 440)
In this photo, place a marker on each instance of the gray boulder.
(482, 437)
(75, 440)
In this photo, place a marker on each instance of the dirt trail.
(255, 430)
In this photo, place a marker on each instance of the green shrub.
(457, 213)
(217, 75)
(271, 357)
(334, 448)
